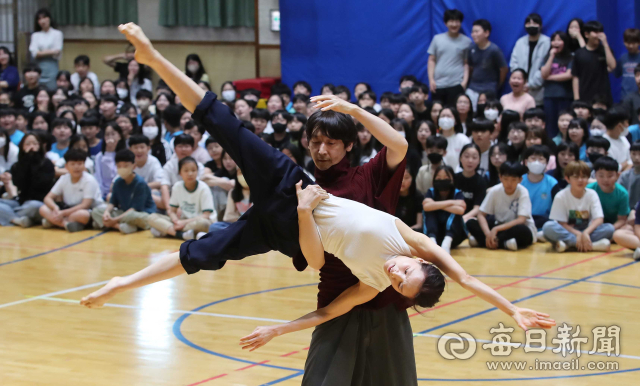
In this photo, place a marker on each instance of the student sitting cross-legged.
(505, 219)
(131, 202)
(576, 219)
(538, 184)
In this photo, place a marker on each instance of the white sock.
(446, 243)
(434, 240)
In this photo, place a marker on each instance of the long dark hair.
(450, 173)
(456, 117)
(122, 144)
(432, 287)
(575, 44)
(506, 119)
(196, 77)
(6, 51)
(360, 150)
(470, 114)
(42, 151)
(143, 73)
(566, 50)
(42, 12)
(7, 143)
(494, 175)
(222, 172)
(236, 193)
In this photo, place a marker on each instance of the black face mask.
(434, 158)
(532, 31)
(279, 128)
(593, 157)
(443, 185)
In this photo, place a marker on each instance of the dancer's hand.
(310, 197)
(145, 53)
(332, 102)
(258, 338)
(527, 318)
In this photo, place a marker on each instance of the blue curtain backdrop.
(376, 41)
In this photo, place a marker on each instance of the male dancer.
(372, 345)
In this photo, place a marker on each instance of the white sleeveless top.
(362, 237)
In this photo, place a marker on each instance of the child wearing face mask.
(131, 202)
(538, 184)
(436, 150)
(443, 208)
(451, 130)
(279, 121)
(105, 163)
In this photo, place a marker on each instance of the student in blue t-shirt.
(538, 184)
(62, 132)
(131, 202)
(628, 61)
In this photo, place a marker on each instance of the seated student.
(105, 164)
(535, 117)
(127, 127)
(481, 130)
(78, 142)
(90, 128)
(200, 154)
(151, 128)
(578, 133)
(630, 179)
(581, 109)
(131, 202)
(504, 220)
(629, 235)
(22, 118)
(215, 152)
(634, 130)
(538, 184)
(26, 183)
(68, 205)
(171, 120)
(8, 152)
(190, 208)
(567, 152)
(409, 208)
(613, 197)
(469, 182)
(8, 123)
(183, 146)
(576, 218)
(364, 149)
(279, 137)
(147, 166)
(517, 137)
(436, 150)
(596, 147)
(62, 132)
(259, 120)
(598, 127)
(443, 208)
(564, 118)
(617, 121)
(497, 156)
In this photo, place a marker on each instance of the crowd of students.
(553, 160)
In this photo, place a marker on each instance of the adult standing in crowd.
(487, 65)
(46, 48)
(529, 53)
(447, 67)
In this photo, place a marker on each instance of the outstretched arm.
(310, 242)
(353, 296)
(189, 92)
(423, 247)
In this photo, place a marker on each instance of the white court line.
(172, 311)
(53, 294)
(515, 344)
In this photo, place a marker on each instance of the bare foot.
(145, 52)
(98, 298)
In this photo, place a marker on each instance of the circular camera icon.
(452, 346)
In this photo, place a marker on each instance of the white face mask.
(229, 95)
(3, 141)
(193, 68)
(491, 114)
(625, 132)
(446, 123)
(150, 132)
(124, 172)
(536, 167)
(122, 93)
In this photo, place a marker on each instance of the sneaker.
(23, 221)
(127, 228)
(636, 254)
(74, 226)
(156, 233)
(473, 243)
(540, 237)
(46, 224)
(601, 245)
(188, 235)
(511, 245)
(560, 247)
(200, 235)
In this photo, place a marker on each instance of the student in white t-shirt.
(617, 121)
(505, 218)
(451, 130)
(190, 208)
(184, 145)
(147, 166)
(576, 219)
(68, 205)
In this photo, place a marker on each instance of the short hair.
(137, 139)
(386, 95)
(512, 169)
(283, 113)
(191, 124)
(260, 114)
(183, 139)
(534, 113)
(8, 111)
(614, 116)
(397, 99)
(419, 87)
(482, 125)
(388, 113)
(303, 84)
(635, 146)
(75, 155)
(577, 168)
(411, 78)
(109, 98)
(631, 35)
(522, 71)
(340, 89)
(89, 120)
(209, 141)
(82, 59)
(125, 155)
(172, 115)
(280, 88)
(567, 112)
(593, 26)
(484, 24)
(518, 126)
(31, 68)
(185, 161)
(534, 17)
(453, 14)
(61, 122)
(330, 86)
(542, 150)
(598, 142)
(583, 124)
(299, 117)
(600, 99)
(370, 94)
(437, 141)
(570, 146)
(580, 105)
(606, 163)
(144, 94)
(332, 124)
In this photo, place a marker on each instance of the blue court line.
(53, 250)
(299, 373)
(616, 284)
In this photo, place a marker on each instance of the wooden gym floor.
(186, 331)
